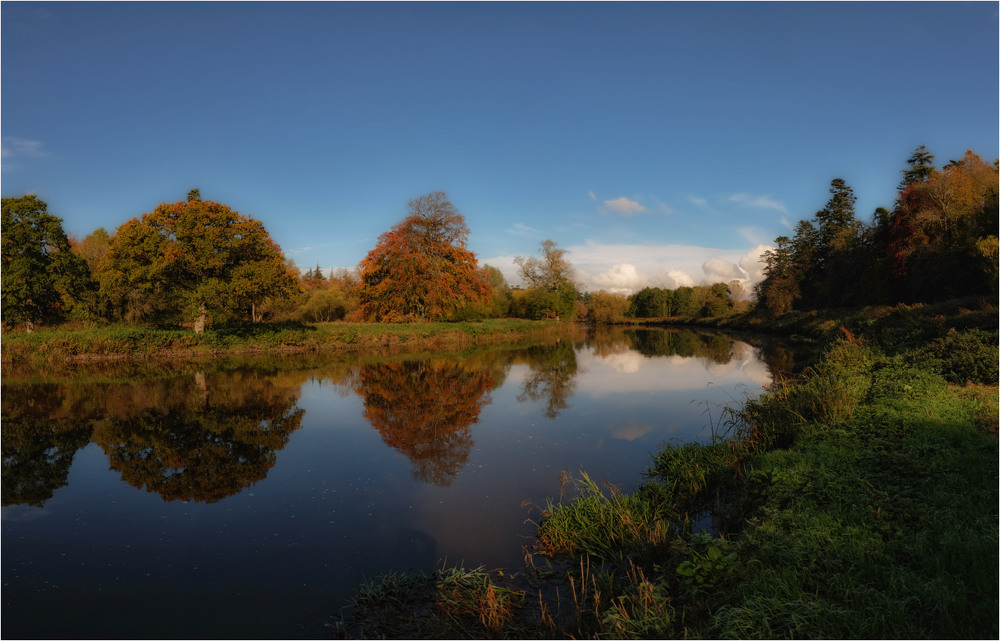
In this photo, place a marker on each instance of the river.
(249, 498)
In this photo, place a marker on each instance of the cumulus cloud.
(752, 263)
(624, 206)
(625, 269)
(720, 270)
(758, 202)
(620, 279)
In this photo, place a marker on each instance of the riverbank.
(857, 500)
(123, 343)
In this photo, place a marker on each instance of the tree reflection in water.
(424, 409)
(212, 442)
(551, 376)
(37, 454)
(199, 438)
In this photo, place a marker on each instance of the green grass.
(120, 342)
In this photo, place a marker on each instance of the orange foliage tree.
(943, 231)
(420, 269)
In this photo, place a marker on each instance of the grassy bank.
(141, 343)
(857, 501)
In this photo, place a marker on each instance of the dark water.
(249, 499)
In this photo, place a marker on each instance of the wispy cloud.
(698, 201)
(592, 195)
(759, 202)
(520, 229)
(13, 148)
(624, 206)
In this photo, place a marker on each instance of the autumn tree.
(421, 269)
(328, 299)
(188, 259)
(92, 248)
(549, 280)
(607, 307)
(780, 287)
(42, 279)
(943, 231)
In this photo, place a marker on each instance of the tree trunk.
(199, 325)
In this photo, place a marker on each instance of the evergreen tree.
(920, 169)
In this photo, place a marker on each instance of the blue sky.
(659, 143)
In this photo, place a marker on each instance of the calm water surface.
(249, 499)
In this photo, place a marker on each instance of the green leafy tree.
(188, 259)
(421, 269)
(550, 281)
(42, 279)
(652, 302)
(500, 300)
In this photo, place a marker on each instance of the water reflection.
(208, 442)
(424, 409)
(552, 370)
(198, 438)
(203, 435)
(469, 437)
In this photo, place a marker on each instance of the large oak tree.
(188, 259)
(421, 269)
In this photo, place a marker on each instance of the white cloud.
(720, 270)
(626, 269)
(592, 195)
(624, 206)
(620, 279)
(759, 202)
(752, 263)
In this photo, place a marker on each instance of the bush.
(968, 356)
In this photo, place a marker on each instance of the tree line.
(939, 241)
(196, 261)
